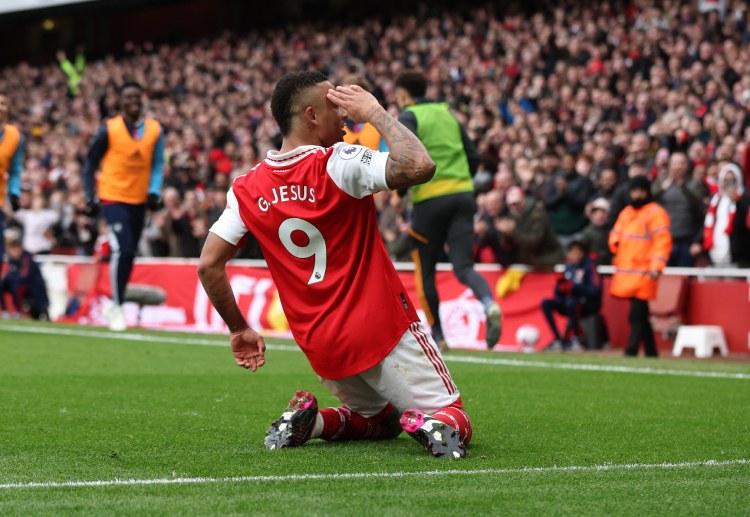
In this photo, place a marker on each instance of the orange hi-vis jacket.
(641, 242)
(367, 136)
(126, 166)
(8, 147)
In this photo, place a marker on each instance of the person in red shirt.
(310, 206)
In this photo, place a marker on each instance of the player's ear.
(311, 115)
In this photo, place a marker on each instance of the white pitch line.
(143, 338)
(370, 475)
(601, 368)
(448, 358)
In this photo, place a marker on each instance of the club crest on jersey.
(347, 153)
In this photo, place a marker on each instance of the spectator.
(77, 231)
(37, 223)
(720, 218)
(486, 237)
(641, 244)
(740, 238)
(684, 207)
(596, 235)
(393, 221)
(527, 232)
(189, 225)
(565, 196)
(74, 70)
(606, 184)
(444, 207)
(23, 281)
(577, 294)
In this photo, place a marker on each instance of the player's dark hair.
(129, 84)
(414, 82)
(287, 91)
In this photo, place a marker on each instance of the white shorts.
(413, 375)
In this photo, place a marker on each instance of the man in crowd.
(444, 208)
(527, 232)
(311, 207)
(683, 204)
(130, 149)
(565, 195)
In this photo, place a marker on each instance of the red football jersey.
(313, 214)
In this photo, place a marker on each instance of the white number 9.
(316, 247)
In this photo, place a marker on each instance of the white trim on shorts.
(413, 375)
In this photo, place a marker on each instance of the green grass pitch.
(149, 423)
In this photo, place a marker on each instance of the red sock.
(455, 416)
(341, 424)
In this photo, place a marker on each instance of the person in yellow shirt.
(130, 150)
(11, 163)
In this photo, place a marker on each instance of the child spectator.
(577, 294)
(23, 282)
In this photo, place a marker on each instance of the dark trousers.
(640, 329)
(445, 221)
(569, 307)
(124, 228)
(680, 255)
(32, 287)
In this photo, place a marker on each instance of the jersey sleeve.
(357, 170)
(229, 225)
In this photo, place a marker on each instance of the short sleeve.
(229, 225)
(357, 170)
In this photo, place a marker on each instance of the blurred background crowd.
(564, 105)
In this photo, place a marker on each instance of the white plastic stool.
(702, 338)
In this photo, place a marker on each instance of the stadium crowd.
(564, 106)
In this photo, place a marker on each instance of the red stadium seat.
(668, 308)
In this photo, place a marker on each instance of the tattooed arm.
(409, 163)
(247, 345)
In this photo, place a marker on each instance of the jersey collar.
(277, 159)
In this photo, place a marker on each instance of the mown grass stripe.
(448, 358)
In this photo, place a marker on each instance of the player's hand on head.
(248, 348)
(359, 104)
